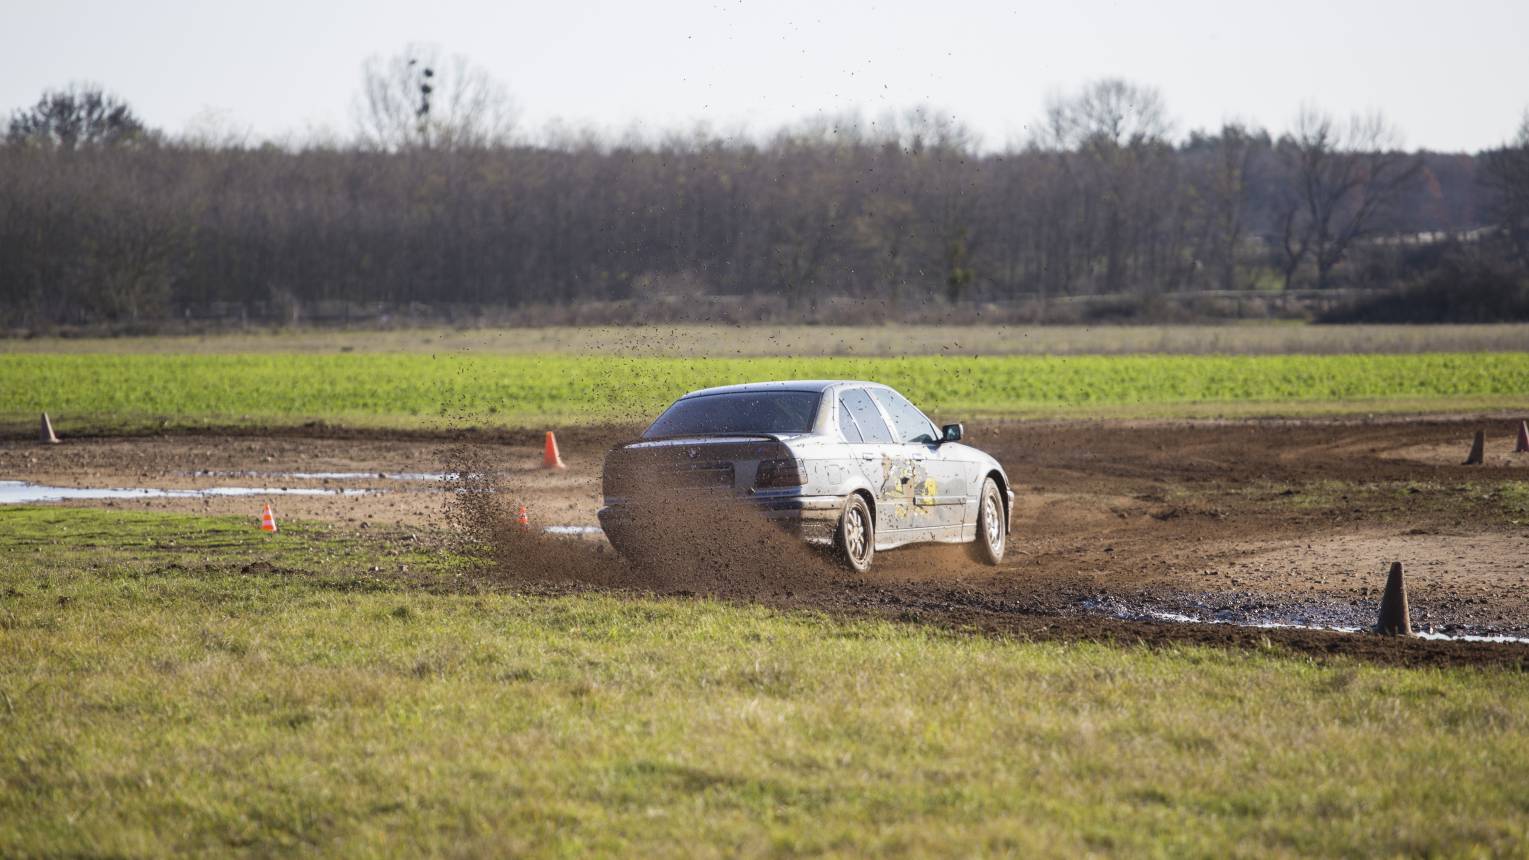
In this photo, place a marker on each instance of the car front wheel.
(855, 540)
(992, 535)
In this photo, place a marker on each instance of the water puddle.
(1471, 637)
(1118, 609)
(573, 530)
(328, 476)
(1179, 618)
(24, 492)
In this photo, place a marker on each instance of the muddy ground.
(1118, 525)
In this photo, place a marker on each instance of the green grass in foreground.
(158, 699)
(106, 392)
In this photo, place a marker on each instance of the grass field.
(184, 684)
(102, 392)
(689, 341)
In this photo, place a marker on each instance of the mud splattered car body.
(817, 458)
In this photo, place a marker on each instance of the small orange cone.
(1523, 438)
(522, 518)
(550, 457)
(267, 519)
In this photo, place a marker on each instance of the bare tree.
(1294, 232)
(1109, 112)
(419, 99)
(938, 150)
(214, 128)
(1344, 176)
(79, 116)
(1114, 138)
(1506, 173)
(1218, 179)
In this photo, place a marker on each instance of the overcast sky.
(1452, 76)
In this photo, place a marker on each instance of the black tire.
(992, 526)
(855, 536)
(630, 546)
(622, 544)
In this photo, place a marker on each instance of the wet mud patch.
(1026, 615)
(1254, 610)
(1460, 583)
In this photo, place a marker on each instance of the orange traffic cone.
(1523, 438)
(521, 518)
(550, 457)
(267, 519)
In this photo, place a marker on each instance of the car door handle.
(867, 456)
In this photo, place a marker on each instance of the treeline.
(906, 215)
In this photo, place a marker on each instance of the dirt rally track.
(1286, 522)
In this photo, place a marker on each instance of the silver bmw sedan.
(850, 465)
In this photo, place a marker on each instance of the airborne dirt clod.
(1249, 522)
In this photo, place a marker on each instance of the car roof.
(816, 386)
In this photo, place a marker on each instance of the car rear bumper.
(813, 518)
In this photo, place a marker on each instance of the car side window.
(855, 406)
(847, 426)
(911, 425)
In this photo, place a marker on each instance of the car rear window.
(740, 412)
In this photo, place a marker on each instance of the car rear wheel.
(855, 540)
(992, 533)
(626, 546)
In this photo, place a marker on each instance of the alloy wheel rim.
(994, 529)
(854, 534)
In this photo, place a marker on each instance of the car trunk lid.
(688, 464)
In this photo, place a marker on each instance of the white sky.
(1452, 76)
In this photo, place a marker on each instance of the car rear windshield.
(740, 412)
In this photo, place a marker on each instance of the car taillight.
(779, 473)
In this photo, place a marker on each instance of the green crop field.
(1246, 338)
(105, 392)
(173, 684)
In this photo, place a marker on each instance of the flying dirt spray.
(687, 546)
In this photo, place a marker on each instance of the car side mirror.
(950, 433)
